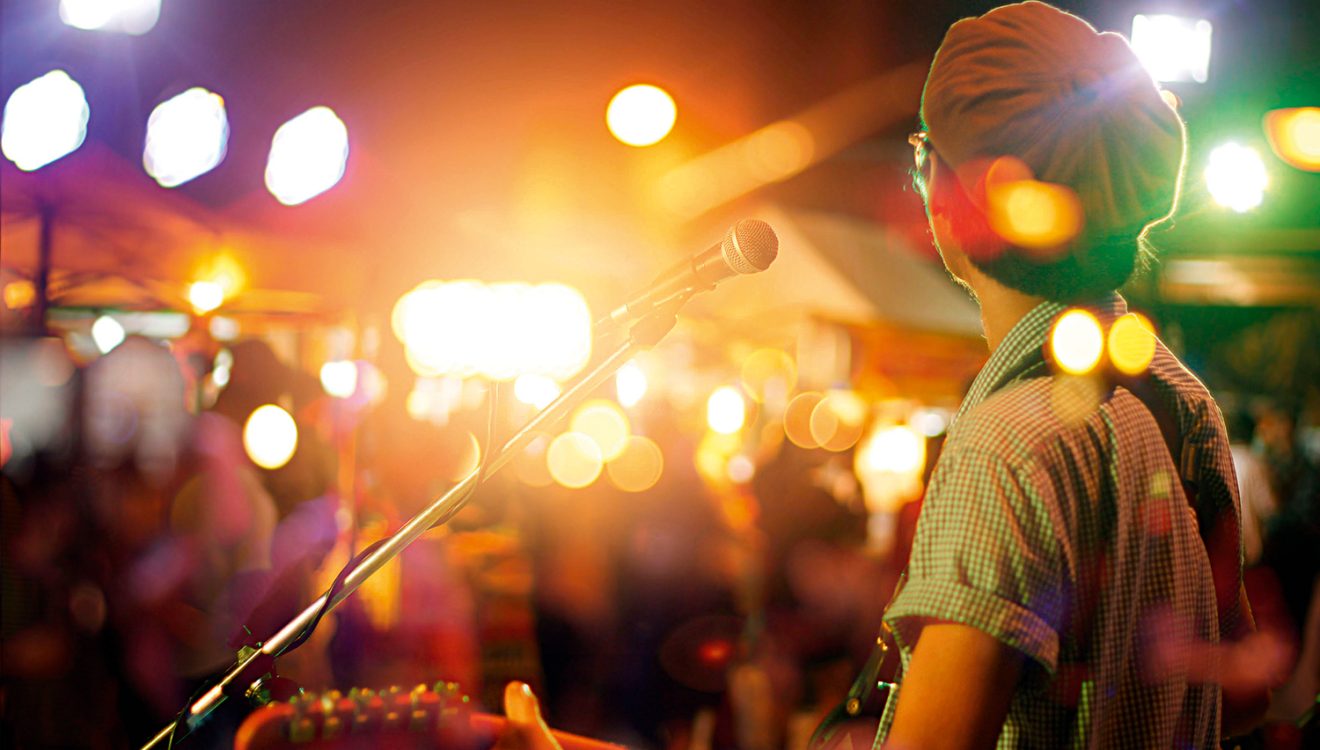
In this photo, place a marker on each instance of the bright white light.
(205, 296)
(107, 333)
(897, 449)
(741, 469)
(1236, 177)
(186, 137)
(307, 156)
(641, 115)
(535, 390)
(1076, 342)
(44, 119)
(270, 436)
(725, 410)
(339, 378)
(929, 422)
(630, 382)
(128, 16)
(1172, 48)
(500, 331)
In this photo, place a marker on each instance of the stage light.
(534, 390)
(725, 410)
(270, 436)
(107, 333)
(127, 16)
(641, 115)
(45, 119)
(630, 384)
(606, 425)
(638, 466)
(1076, 342)
(339, 378)
(499, 331)
(20, 294)
(1236, 177)
(186, 137)
(205, 296)
(1294, 136)
(1172, 48)
(898, 449)
(574, 460)
(308, 156)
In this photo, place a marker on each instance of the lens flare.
(1076, 342)
(1172, 48)
(838, 420)
(797, 419)
(128, 16)
(1034, 215)
(107, 333)
(574, 460)
(726, 411)
(270, 436)
(20, 294)
(638, 466)
(339, 378)
(1294, 136)
(1236, 177)
(630, 384)
(308, 156)
(641, 115)
(205, 296)
(186, 137)
(606, 425)
(1132, 344)
(45, 119)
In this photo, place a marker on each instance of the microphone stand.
(248, 675)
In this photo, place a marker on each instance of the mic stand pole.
(247, 675)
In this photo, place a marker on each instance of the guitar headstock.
(438, 715)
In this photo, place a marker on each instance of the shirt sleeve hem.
(1002, 619)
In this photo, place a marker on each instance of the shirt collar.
(1021, 353)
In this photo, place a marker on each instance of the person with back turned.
(1076, 575)
(1076, 579)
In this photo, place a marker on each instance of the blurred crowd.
(142, 547)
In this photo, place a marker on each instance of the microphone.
(750, 246)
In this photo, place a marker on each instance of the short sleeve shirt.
(1056, 521)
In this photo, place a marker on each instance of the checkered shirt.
(1055, 521)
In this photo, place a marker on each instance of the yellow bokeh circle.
(638, 466)
(605, 423)
(1131, 344)
(270, 436)
(574, 460)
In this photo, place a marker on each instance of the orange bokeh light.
(1294, 135)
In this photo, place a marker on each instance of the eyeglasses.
(921, 153)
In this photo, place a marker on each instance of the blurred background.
(278, 274)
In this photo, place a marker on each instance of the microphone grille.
(750, 246)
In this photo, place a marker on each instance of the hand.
(525, 729)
